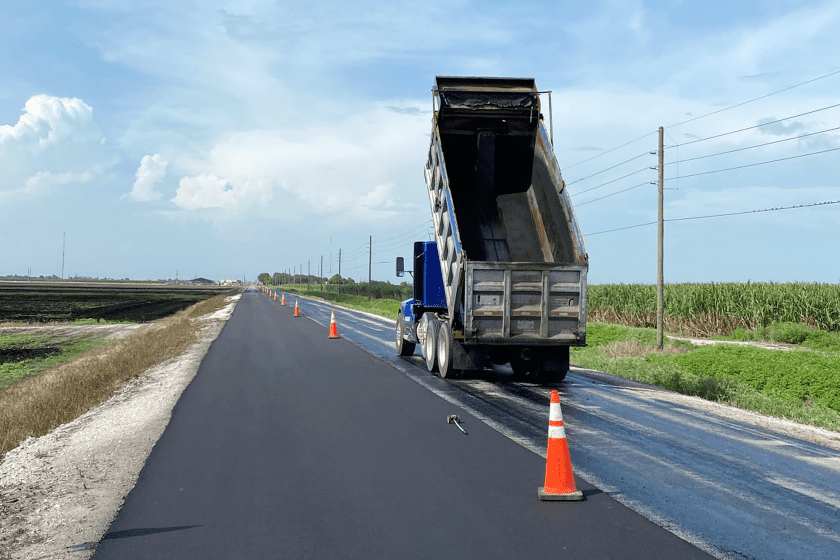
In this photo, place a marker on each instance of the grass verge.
(387, 308)
(26, 355)
(799, 385)
(36, 405)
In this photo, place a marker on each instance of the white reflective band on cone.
(554, 413)
(557, 432)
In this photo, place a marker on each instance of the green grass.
(789, 333)
(101, 322)
(11, 372)
(387, 308)
(801, 385)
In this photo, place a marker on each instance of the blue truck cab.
(429, 294)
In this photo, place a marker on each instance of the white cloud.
(54, 142)
(204, 191)
(49, 119)
(42, 183)
(356, 168)
(152, 169)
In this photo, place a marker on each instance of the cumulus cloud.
(48, 119)
(152, 169)
(350, 168)
(54, 142)
(204, 191)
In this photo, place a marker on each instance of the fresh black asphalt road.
(290, 445)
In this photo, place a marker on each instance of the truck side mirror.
(400, 267)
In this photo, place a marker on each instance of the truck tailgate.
(525, 303)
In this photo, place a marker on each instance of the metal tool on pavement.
(453, 418)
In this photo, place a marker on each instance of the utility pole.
(370, 261)
(339, 272)
(308, 273)
(63, 244)
(660, 275)
(321, 276)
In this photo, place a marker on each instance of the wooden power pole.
(660, 276)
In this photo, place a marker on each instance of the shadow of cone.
(297, 311)
(559, 479)
(333, 326)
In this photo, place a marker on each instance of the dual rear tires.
(438, 346)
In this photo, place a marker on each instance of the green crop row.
(718, 308)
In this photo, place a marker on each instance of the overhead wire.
(753, 164)
(755, 146)
(753, 127)
(752, 100)
(613, 181)
(615, 193)
(826, 203)
(607, 169)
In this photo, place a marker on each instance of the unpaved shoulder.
(60, 492)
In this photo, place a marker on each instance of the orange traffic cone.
(333, 326)
(297, 311)
(559, 480)
(283, 299)
(275, 296)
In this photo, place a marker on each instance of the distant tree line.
(379, 290)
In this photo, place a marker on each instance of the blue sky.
(224, 139)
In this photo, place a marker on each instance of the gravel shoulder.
(60, 492)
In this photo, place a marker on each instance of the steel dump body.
(511, 253)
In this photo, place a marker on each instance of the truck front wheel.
(404, 347)
(430, 335)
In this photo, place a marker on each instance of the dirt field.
(44, 302)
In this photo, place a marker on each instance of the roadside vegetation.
(36, 404)
(711, 309)
(24, 355)
(801, 385)
(384, 307)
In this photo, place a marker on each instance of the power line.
(719, 215)
(614, 180)
(608, 168)
(611, 150)
(756, 211)
(751, 100)
(756, 146)
(753, 164)
(703, 116)
(615, 193)
(752, 127)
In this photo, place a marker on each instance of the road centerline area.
(288, 444)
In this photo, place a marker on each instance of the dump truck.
(504, 280)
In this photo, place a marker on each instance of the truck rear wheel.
(404, 347)
(554, 368)
(429, 342)
(445, 345)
